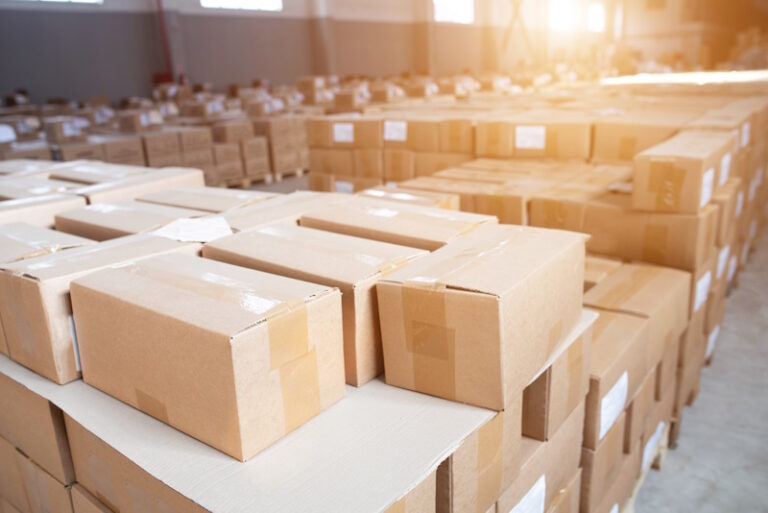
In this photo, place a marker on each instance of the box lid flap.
(21, 240)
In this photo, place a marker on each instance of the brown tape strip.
(489, 462)
(627, 148)
(665, 180)
(288, 336)
(655, 240)
(430, 341)
(619, 294)
(300, 385)
(151, 406)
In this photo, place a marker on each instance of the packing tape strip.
(552, 143)
(655, 242)
(621, 292)
(490, 462)
(666, 181)
(429, 340)
(627, 148)
(300, 386)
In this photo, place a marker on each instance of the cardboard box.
(26, 186)
(288, 208)
(12, 487)
(495, 138)
(672, 240)
(206, 199)
(562, 384)
(457, 136)
(681, 174)
(617, 370)
(105, 221)
(34, 150)
(692, 349)
(638, 410)
(715, 308)
(399, 164)
(119, 148)
(232, 131)
(342, 184)
(427, 164)
(160, 143)
(36, 426)
(621, 136)
(406, 225)
(485, 464)
(19, 241)
(194, 138)
(596, 269)
(344, 132)
(226, 152)
(662, 411)
(64, 129)
(169, 160)
(354, 265)
(38, 210)
(621, 489)
(44, 493)
(331, 162)
(39, 328)
(599, 466)
(546, 467)
(88, 172)
(133, 186)
(567, 499)
(432, 346)
(79, 151)
(285, 159)
(199, 159)
(421, 498)
(84, 502)
(257, 168)
(253, 148)
(726, 199)
(447, 201)
(555, 134)
(368, 163)
(283, 379)
(422, 134)
(136, 120)
(659, 294)
(229, 171)
(666, 371)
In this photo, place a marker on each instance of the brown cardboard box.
(660, 412)
(285, 159)
(342, 184)
(38, 210)
(133, 186)
(63, 129)
(406, 225)
(36, 427)
(422, 498)
(232, 131)
(638, 411)
(556, 134)
(622, 487)
(666, 371)
(139, 120)
(495, 138)
(672, 240)
(726, 198)
(715, 309)
(84, 502)
(233, 170)
(207, 199)
(660, 294)
(399, 164)
(226, 152)
(427, 164)
(168, 160)
(34, 150)
(596, 269)
(19, 241)
(200, 159)
(546, 467)
(39, 328)
(413, 197)
(160, 143)
(106, 221)
(263, 340)
(466, 337)
(680, 174)
(194, 138)
(288, 208)
(119, 148)
(90, 172)
(621, 137)
(368, 163)
(617, 370)
(419, 134)
(11, 481)
(79, 151)
(691, 352)
(354, 265)
(600, 466)
(25, 186)
(257, 167)
(703, 278)
(344, 132)
(331, 162)
(255, 147)
(562, 385)
(44, 493)
(567, 499)
(457, 136)
(484, 465)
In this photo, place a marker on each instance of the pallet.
(279, 175)
(264, 179)
(236, 183)
(658, 462)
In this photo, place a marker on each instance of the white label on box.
(746, 128)
(395, 131)
(707, 184)
(612, 404)
(530, 137)
(144, 119)
(201, 229)
(70, 129)
(343, 132)
(155, 118)
(712, 341)
(73, 333)
(739, 204)
(615, 508)
(343, 186)
(702, 289)
(534, 500)
(722, 260)
(732, 266)
(725, 168)
(7, 134)
(649, 451)
(82, 123)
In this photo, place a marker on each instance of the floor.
(721, 461)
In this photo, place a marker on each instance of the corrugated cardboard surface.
(84, 502)
(134, 186)
(368, 450)
(91, 172)
(599, 466)
(21, 240)
(209, 199)
(404, 195)
(38, 210)
(596, 269)
(567, 499)
(621, 489)
(638, 411)
(289, 207)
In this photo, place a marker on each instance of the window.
(562, 15)
(454, 11)
(250, 5)
(596, 17)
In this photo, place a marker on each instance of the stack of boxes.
(287, 140)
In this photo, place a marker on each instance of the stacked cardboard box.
(287, 140)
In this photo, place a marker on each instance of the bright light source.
(596, 17)
(454, 11)
(562, 15)
(250, 5)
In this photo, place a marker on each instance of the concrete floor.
(721, 461)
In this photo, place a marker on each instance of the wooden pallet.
(264, 179)
(298, 172)
(236, 183)
(658, 461)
